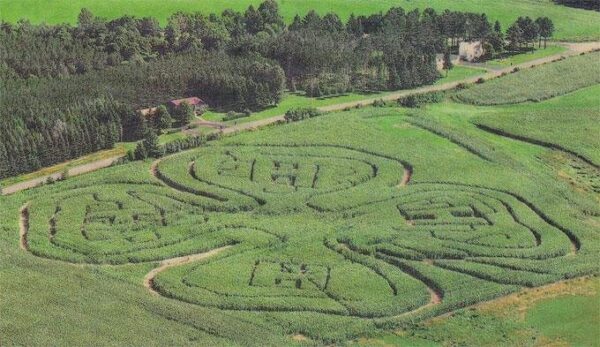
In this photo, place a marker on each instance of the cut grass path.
(118, 151)
(169, 263)
(573, 49)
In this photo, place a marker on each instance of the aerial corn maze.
(299, 173)
(341, 219)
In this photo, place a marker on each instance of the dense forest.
(71, 90)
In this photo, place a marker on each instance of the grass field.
(573, 319)
(570, 121)
(571, 24)
(537, 84)
(345, 226)
(317, 234)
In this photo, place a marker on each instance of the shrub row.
(297, 114)
(418, 100)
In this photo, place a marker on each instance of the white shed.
(470, 50)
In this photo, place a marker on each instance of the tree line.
(50, 120)
(71, 90)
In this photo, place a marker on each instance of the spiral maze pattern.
(387, 251)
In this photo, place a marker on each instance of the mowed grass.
(538, 83)
(571, 24)
(294, 100)
(573, 319)
(458, 73)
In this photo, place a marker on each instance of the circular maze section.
(243, 177)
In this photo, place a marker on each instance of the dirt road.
(74, 171)
(573, 49)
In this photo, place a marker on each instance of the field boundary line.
(532, 141)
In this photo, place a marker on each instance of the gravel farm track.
(572, 50)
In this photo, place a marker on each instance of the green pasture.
(571, 24)
(572, 319)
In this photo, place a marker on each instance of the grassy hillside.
(571, 24)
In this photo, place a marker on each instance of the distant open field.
(571, 24)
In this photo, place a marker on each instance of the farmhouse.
(197, 104)
(470, 50)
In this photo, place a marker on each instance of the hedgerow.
(297, 114)
(418, 100)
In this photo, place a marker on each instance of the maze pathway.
(322, 228)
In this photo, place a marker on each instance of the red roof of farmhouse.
(192, 101)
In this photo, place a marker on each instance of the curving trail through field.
(149, 278)
(435, 299)
(573, 49)
(172, 262)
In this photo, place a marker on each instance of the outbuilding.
(470, 50)
(197, 104)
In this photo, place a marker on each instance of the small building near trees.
(470, 50)
(198, 105)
